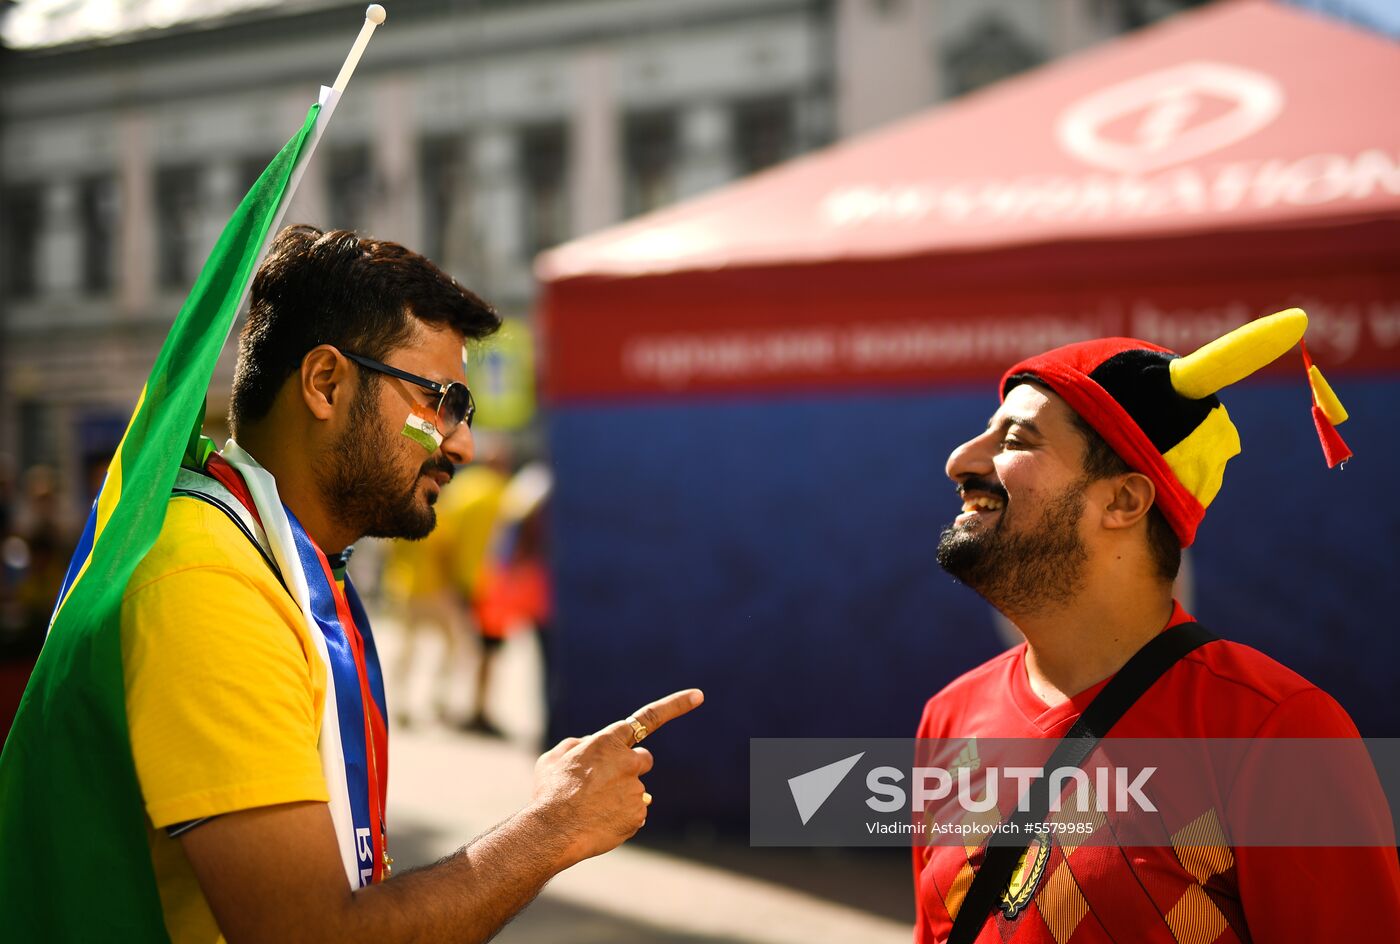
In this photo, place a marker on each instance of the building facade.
(479, 131)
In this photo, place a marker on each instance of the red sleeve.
(1317, 893)
(923, 931)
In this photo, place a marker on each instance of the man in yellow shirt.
(254, 698)
(433, 582)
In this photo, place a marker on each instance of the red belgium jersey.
(1201, 892)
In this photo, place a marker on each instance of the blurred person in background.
(34, 553)
(254, 708)
(13, 554)
(7, 496)
(513, 595)
(37, 551)
(431, 583)
(1077, 500)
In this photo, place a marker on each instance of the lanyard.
(359, 685)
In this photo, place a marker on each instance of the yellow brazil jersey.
(224, 693)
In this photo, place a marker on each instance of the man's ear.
(1132, 500)
(324, 380)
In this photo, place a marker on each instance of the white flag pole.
(374, 16)
(329, 98)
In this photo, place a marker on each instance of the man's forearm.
(276, 872)
(470, 895)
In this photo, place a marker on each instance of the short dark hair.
(359, 294)
(1101, 462)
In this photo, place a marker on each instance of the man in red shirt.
(1077, 499)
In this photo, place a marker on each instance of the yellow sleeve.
(224, 689)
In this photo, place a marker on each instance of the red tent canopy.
(1170, 185)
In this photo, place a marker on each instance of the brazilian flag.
(74, 860)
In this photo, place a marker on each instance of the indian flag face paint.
(421, 427)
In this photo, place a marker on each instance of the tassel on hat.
(1328, 413)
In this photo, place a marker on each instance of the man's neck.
(1083, 642)
(292, 467)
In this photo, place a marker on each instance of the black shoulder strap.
(1146, 666)
(195, 483)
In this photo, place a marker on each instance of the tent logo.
(1169, 116)
(815, 787)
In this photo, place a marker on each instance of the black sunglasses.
(455, 403)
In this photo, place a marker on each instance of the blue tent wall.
(779, 553)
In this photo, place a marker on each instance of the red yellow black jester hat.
(1160, 413)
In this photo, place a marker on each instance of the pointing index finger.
(659, 712)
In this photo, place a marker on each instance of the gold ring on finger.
(646, 799)
(639, 730)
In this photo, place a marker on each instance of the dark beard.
(1021, 574)
(360, 482)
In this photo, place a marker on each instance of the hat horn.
(1236, 355)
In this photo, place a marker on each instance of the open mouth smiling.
(978, 503)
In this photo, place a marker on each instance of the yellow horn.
(1238, 354)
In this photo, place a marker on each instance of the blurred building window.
(179, 204)
(650, 154)
(1128, 15)
(446, 189)
(98, 206)
(991, 50)
(38, 436)
(544, 154)
(22, 216)
(349, 186)
(763, 133)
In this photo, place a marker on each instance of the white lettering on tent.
(677, 360)
(1385, 324)
(1311, 180)
(674, 360)
(1339, 332)
(1186, 329)
(1335, 329)
(1178, 116)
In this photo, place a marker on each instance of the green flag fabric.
(74, 860)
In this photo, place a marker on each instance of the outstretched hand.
(591, 787)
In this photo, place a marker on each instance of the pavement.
(446, 787)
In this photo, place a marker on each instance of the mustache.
(981, 485)
(439, 464)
